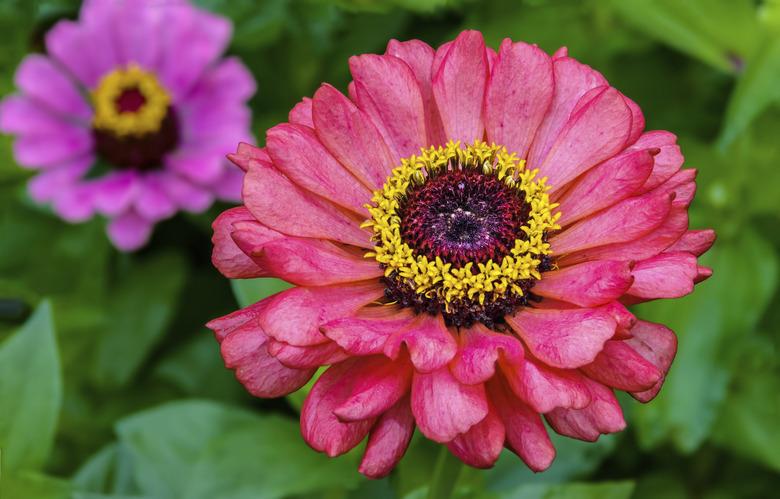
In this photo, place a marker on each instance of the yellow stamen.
(481, 282)
(146, 119)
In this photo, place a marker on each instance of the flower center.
(134, 124)
(461, 231)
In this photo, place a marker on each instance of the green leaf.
(756, 89)
(603, 490)
(202, 450)
(250, 291)
(720, 311)
(109, 471)
(719, 33)
(30, 392)
(31, 485)
(137, 315)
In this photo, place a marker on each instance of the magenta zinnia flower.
(130, 113)
(464, 232)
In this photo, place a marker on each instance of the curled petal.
(430, 343)
(694, 241)
(367, 333)
(306, 357)
(388, 440)
(479, 351)
(603, 415)
(379, 385)
(481, 445)
(658, 345)
(545, 388)
(668, 275)
(227, 257)
(621, 367)
(301, 113)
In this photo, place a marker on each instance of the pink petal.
(668, 275)
(320, 427)
(227, 257)
(71, 45)
(479, 351)
(606, 184)
(459, 87)
(116, 192)
(667, 162)
(572, 80)
(561, 53)
(621, 367)
(38, 151)
(637, 121)
(630, 219)
(481, 445)
(379, 384)
(419, 56)
(75, 204)
(658, 345)
(188, 196)
(20, 115)
(199, 163)
(302, 261)
(230, 81)
(367, 332)
(443, 407)
(588, 284)
(603, 415)
(244, 350)
(594, 133)
(430, 344)
(49, 183)
(387, 91)
(301, 113)
(294, 316)
(298, 154)
(351, 137)
(306, 357)
(246, 153)
(696, 242)
(545, 388)
(272, 198)
(152, 201)
(564, 338)
(518, 95)
(526, 435)
(129, 231)
(388, 440)
(40, 79)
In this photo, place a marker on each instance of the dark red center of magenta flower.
(463, 216)
(130, 100)
(143, 152)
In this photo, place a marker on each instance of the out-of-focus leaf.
(255, 24)
(109, 471)
(202, 450)
(250, 291)
(30, 393)
(137, 315)
(756, 89)
(722, 310)
(31, 485)
(604, 490)
(385, 5)
(720, 33)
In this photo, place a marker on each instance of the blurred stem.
(444, 475)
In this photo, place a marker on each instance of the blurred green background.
(111, 387)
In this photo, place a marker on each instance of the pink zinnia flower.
(464, 232)
(130, 114)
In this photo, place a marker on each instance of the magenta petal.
(71, 45)
(387, 91)
(185, 194)
(246, 153)
(481, 445)
(594, 133)
(526, 435)
(152, 201)
(625, 221)
(518, 94)
(637, 121)
(564, 338)
(667, 162)
(419, 56)
(227, 257)
(694, 241)
(20, 115)
(658, 345)
(588, 284)
(294, 316)
(388, 441)
(116, 192)
(301, 113)
(379, 384)
(306, 357)
(129, 231)
(443, 407)
(51, 182)
(298, 153)
(621, 367)
(603, 415)
(39, 78)
(479, 351)
(367, 333)
(606, 184)
(431, 345)
(271, 198)
(545, 388)
(47, 150)
(459, 87)
(351, 137)
(320, 427)
(668, 275)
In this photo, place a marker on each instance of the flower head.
(464, 233)
(129, 115)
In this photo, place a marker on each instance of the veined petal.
(621, 367)
(668, 275)
(588, 284)
(546, 388)
(227, 257)
(658, 345)
(430, 343)
(481, 445)
(603, 415)
(388, 440)
(380, 383)
(479, 350)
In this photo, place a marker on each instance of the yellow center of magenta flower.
(461, 227)
(130, 102)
